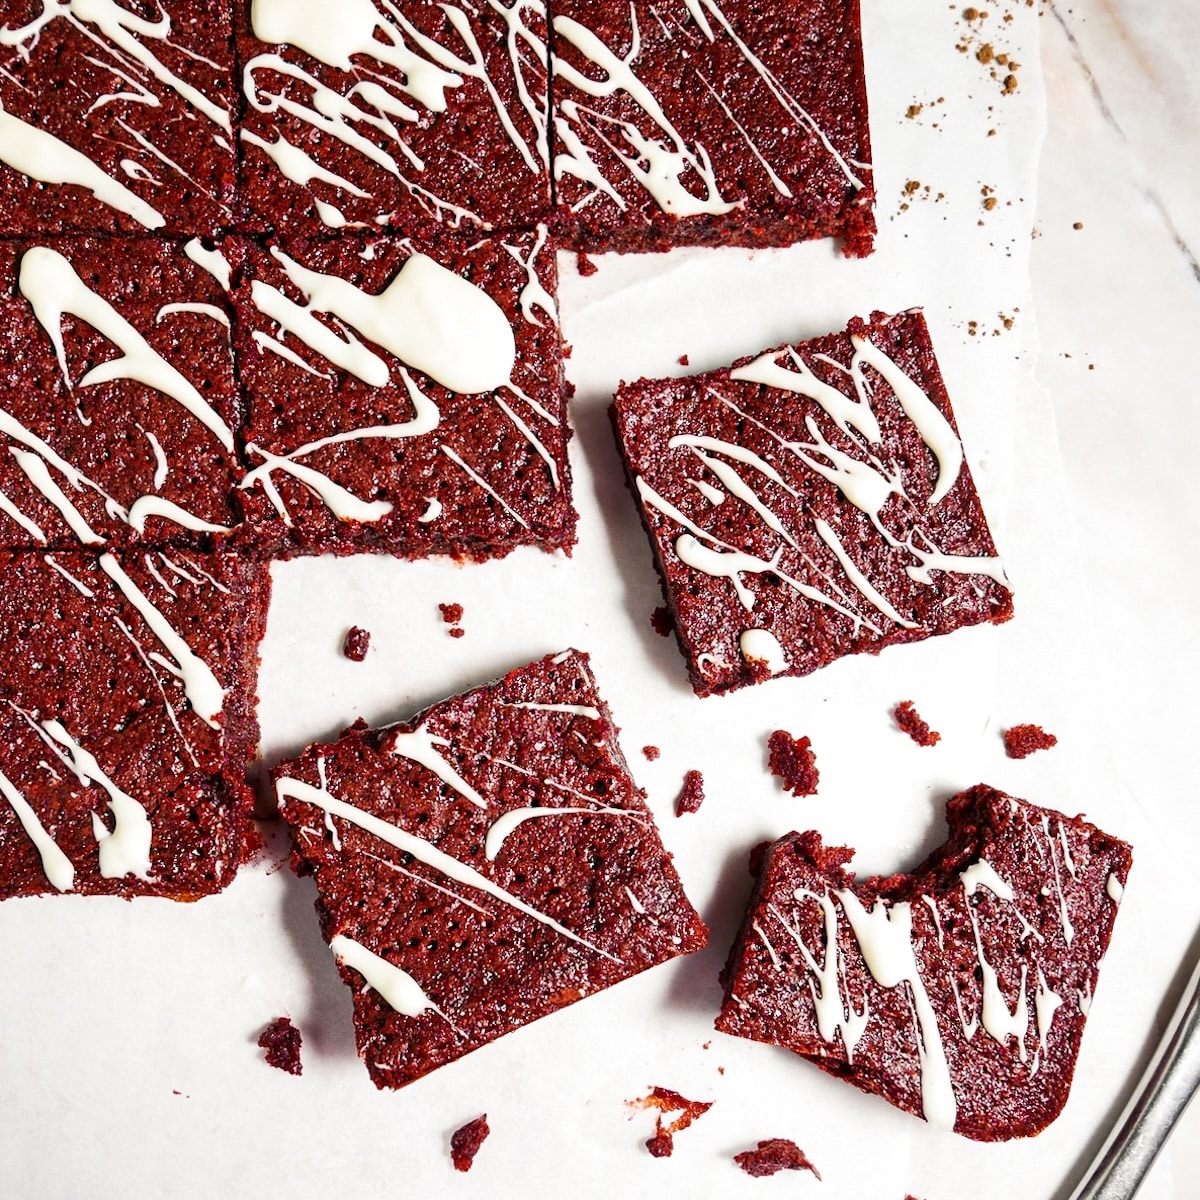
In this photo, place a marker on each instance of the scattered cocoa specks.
(914, 190)
(662, 622)
(692, 795)
(662, 1144)
(792, 760)
(356, 643)
(914, 110)
(772, 1156)
(985, 53)
(465, 1142)
(584, 265)
(990, 203)
(281, 1040)
(911, 722)
(452, 614)
(1077, 225)
(651, 752)
(912, 186)
(1022, 740)
(972, 327)
(971, 13)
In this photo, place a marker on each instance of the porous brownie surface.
(715, 122)
(117, 396)
(810, 503)
(482, 866)
(416, 117)
(116, 117)
(959, 992)
(126, 720)
(403, 396)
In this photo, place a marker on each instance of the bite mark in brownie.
(116, 120)
(415, 117)
(404, 397)
(792, 761)
(772, 1156)
(710, 122)
(1023, 740)
(465, 1142)
(911, 722)
(482, 865)
(282, 1041)
(117, 398)
(958, 991)
(810, 503)
(123, 755)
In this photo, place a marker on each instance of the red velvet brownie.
(116, 117)
(710, 122)
(126, 721)
(810, 503)
(117, 397)
(413, 116)
(482, 865)
(959, 992)
(403, 397)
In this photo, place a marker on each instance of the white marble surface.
(1118, 305)
(128, 1030)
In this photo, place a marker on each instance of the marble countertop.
(1118, 307)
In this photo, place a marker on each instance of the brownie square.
(482, 866)
(119, 403)
(698, 122)
(117, 120)
(958, 992)
(810, 503)
(414, 117)
(403, 396)
(126, 720)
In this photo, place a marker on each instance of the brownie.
(810, 503)
(959, 991)
(123, 751)
(457, 912)
(116, 117)
(117, 396)
(710, 122)
(403, 397)
(413, 117)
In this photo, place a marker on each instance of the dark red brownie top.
(810, 503)
(124, 753)
(482, 866)
(117, 399)
(718, 122)
(116, 117)
(416, 116)
(959, 991)
(403, 397)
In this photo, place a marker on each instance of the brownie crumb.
(651, 752)
(465, 1142)
(1022, 740)
(356, 643)
(794, 762)
(911, 721)
(281, 1040)
(662, 622)
(775, 1154)
(584, 265)
(692, 795)
(684, 361)
(457, 631)
(452, 614)
(662, 1144)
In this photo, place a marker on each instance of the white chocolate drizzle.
(504, 824)
(212, 261)
(1113, 888)
(40, 155)
(145, 507)
(533, 294)
(39, 475)
(49, 282)
(420, 746)
(426, 852)
(577, 710)
(55, 864)
(200, 685)
(761, 645)
(395, 986)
